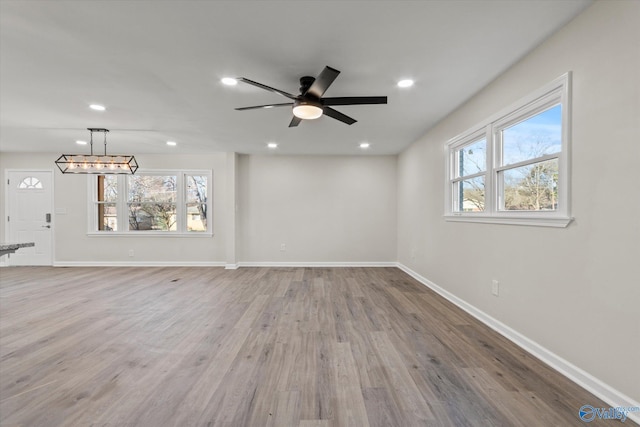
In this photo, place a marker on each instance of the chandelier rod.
(103, 130)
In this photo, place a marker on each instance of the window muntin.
(523, 177)
(151, 203)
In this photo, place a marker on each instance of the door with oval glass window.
(30, 216)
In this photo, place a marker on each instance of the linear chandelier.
(95, 163)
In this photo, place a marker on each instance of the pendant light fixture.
(97, 164)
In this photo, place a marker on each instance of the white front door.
(30, 216)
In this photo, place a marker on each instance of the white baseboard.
(587, 381)
(316, 264)
(218, 264)
(139, 264)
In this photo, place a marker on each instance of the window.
(151, 203)
(30, 183)
(106, 202)
(513, 168)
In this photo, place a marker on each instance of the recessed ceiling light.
(172, 143)
(272, 145)
(229, 81)
(81, 142)
(364, 145)
(405, 83)
(97, 107)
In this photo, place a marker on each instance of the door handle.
(46, 226)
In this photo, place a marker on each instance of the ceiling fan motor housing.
(305, 83)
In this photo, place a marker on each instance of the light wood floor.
(259, 347)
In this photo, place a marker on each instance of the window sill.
(535, 221)
(147, 234)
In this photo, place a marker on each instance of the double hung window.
(514, 168)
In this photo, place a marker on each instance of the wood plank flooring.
(259, 347)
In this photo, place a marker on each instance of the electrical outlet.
(495, 287)
(131, 252)
(283, 247)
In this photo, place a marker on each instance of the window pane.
(107, 217)
(152, 216)
(471, 158)
(534, 137)
(196, 189)
(196, 199)
(30, 182)
(531, 188)
(107, 188)
(152, 189)
(469, 195)
(196, 217)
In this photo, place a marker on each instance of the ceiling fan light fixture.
(307, 110)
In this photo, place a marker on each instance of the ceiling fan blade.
(269, 88)
(295, 122)
(328, 111)
(264, 106)
(322, 82)
(355, 100)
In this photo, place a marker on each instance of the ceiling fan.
(310, 104)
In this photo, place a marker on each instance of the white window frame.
(122, 203)
(556, 92)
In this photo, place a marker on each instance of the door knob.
(46, 226)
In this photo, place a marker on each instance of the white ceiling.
(157, 65)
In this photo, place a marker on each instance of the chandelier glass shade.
(97, 163)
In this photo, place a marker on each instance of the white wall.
(575, 291)
(324, 209)
(73, 246)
